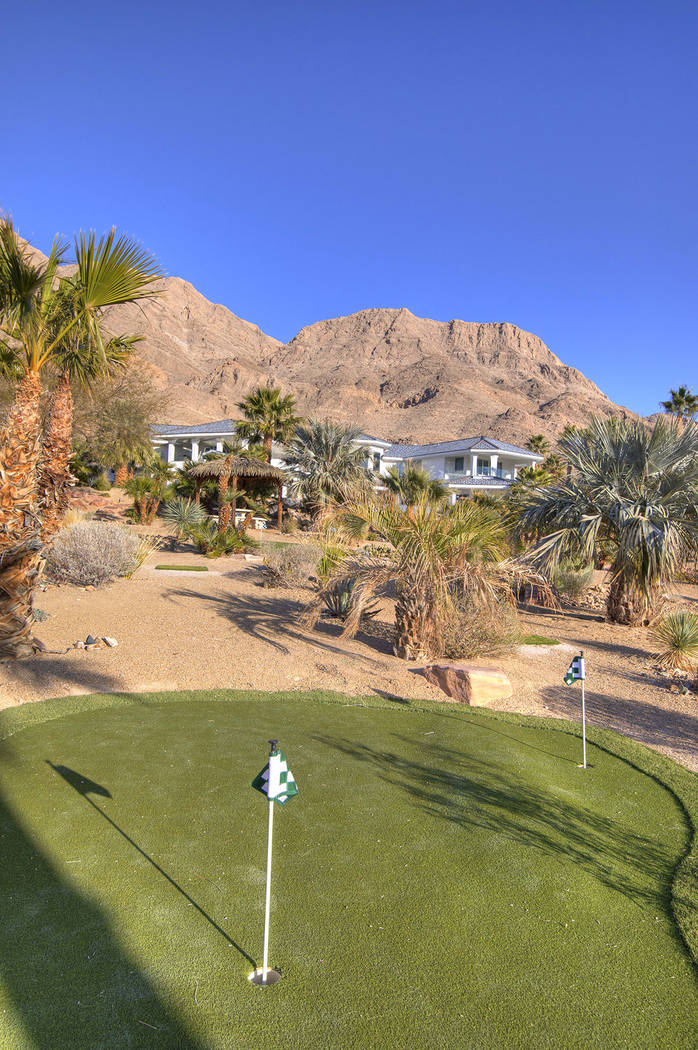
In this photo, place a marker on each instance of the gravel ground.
(222, 628)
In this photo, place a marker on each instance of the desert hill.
(397, 376)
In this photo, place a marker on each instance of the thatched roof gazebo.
(229, 469)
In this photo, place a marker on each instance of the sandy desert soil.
(223, 628)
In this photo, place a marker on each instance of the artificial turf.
(446, 878)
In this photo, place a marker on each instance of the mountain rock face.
(397, 376)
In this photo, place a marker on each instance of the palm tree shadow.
(70, 982)
(86, 787)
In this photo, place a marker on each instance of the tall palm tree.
(432, 557)
(37, 318)
(632, 486)
(682, 404)
(269, 417)
(538, 443)
(328, 463)
(412, 484)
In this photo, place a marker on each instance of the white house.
(464, 466)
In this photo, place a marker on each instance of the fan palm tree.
(434, 555)
(413, 484)
(328, 463)
(269, 417)
(538, 443)
(37, 317)
(632, 486)
(682, 404)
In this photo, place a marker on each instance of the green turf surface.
(184, 568)
(446, 878)
(537, 639)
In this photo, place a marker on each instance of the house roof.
(475, 444)
(220, 426)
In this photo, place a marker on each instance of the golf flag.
(276, 779)
(575, 672)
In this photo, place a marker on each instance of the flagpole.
(584, 716)
(267, 905)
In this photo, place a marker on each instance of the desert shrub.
(338, 598)
(92, 553)
(571, 580)
(102, 483)
(73, 515)
(146, 546)
(289, 525)
(214, 544)
(677, 633)
(291, 564)
(471, 630)
(182, 515)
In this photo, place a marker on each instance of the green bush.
(102, 483)
(571, 580)
(214, 544)
(677, 632)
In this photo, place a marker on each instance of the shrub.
(571, 580)
(183, 516)
(102, 483)
(214, 544)
(291, 564)
(338, 598)
(92, 553)
(479, 631)
(289, 525)
(677, 632)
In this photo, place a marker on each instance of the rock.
(111, 642)
(89, 587)
(477, 686)
(79, 645)
(90, 640)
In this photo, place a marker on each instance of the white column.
(170, 452)
(194, 451)
(453, 498)
(473, 464)
(219, 446)
(494, 460)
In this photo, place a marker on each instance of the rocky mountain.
(397, 376)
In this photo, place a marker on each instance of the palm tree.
(435, 555)
(538, 443)
(269, 417)
(682, 404)
(633, 487)
(414, 483)
(328, 463)
(37, 318)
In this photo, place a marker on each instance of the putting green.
(446, 878)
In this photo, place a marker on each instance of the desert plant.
(146, 546)
(288, 526)
(182, 516)
(634, 485)
(92, 553)
(328, 463)
(682, 404)
(677, 632)
(338, 599)
(209, 540)
(413, 484)
(291, 564)
(475, 630)
(538, 443)
(571, 579)
(102, 483)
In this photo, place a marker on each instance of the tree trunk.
(628, 605)
(20, 542)
(268, 442)
(415, 623)
(223, 507)
(197, 492)
(152, 509)
(54, 474)
(121, 475)
(280, 509)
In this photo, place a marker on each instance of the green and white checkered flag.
(276, 779)
(575, 672)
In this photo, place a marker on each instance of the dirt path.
(222, 628)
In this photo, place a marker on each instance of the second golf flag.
(276, 779)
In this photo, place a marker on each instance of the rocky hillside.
(398, 376)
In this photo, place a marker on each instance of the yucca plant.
(677, 632)
(183, 516)
(338, 599)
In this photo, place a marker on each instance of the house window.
(458, 464)
(483, 466)
(376, 461)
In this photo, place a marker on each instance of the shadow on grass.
(86, 787)
(475, 794)
(70, 982)
(653, 725)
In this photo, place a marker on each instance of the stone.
(90, 640)
(477, 686)
(111, 642)
(79, 645)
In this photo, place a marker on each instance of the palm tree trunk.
(628, 605)
(20, 543)
(121, 475)
(54, 474)
(223, 506)
(415, 624)
(268, 442)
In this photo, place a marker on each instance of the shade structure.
(231, 469)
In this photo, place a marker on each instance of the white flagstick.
(584, 716)
(267, 906)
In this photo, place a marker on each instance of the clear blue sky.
(495, 161)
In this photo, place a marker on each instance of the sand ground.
(223, 628)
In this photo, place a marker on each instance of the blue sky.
(497, 161)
